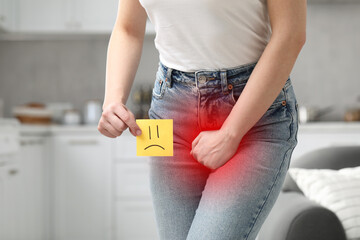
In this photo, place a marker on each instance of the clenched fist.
(115, 119)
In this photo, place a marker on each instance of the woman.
(223, 78)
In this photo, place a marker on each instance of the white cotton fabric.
(337, 190)
(196, 35)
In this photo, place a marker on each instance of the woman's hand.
(115, 119)
(214, 148)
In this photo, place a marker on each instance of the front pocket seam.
(287, 84)
(156, 95)
(162, 90)
(232, 97)
(273, 105)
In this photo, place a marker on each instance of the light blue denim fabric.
(194, 202)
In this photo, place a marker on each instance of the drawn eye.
(157, 131)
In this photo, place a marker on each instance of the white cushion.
(337, 190)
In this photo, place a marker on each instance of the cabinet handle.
(13, 171)
(83, 142)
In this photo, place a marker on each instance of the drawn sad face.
(156, 138)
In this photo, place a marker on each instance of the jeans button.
(202, 79)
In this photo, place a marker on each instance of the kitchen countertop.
(344, 127)
(45, 130)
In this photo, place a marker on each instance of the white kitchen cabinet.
(41, 15)
(34, 172)
(8, 13)
(23, 192)
(92, 15)
(81, 183)
(132, 180)
(2, 199)
(67, 15)
(61, 16)
(133, 205)
(12, 197)
(12, 200)
(135, 220)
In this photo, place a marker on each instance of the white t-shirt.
(194, 35)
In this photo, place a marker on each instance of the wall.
(326, 73)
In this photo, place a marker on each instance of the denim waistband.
(208, 78)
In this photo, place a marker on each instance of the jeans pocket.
(297, 112)
(279, 102)
(297, 121)
(235, 93)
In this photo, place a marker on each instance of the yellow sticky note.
(156, 138)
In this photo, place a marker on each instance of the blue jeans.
(194, 202)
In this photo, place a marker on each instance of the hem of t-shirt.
(182, 69)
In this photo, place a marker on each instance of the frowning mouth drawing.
(154, 145)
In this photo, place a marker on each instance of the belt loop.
(168, 79)
(196, 78)
(224, 84)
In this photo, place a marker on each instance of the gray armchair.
(295, 217)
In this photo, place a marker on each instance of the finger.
(129, 119)
(114, 120)
(195, 141)
(117, 123)
(201, 162)
(105, 132)
(109, 128)
(108, 134)
(194, 155)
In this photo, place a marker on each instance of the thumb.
(129, 119)
(195, 141)
(135, 129)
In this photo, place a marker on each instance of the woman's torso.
(196, 35)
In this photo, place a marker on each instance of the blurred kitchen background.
(61, 179)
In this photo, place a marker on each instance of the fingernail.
(138, 132)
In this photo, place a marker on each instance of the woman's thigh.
(176, 185)
(177, 181)
(238, 196)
